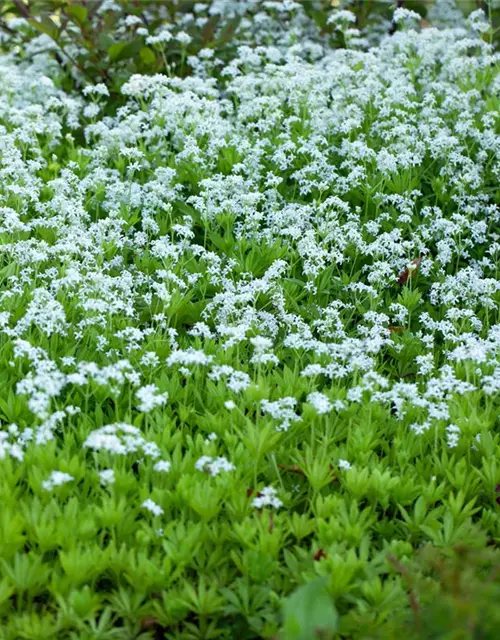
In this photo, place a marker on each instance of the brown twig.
(22, 8)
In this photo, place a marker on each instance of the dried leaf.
(292, 467)
(319, 555)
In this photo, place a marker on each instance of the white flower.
(45, 312)
(452, 435)
(320, 402)
(343, 464)
(56, 479)
(91, 110)
(236, 380)
(406, 16)
(162, 465)
(420, 428)
(342, 17)
(262, 351)
(132, 20)
(425, 364)
(96, 90)
(267, 497)
(189, 357)
(107, 476)
(154, 508)
(183, 38)
(161, 37)
(150, 397)
(214, 466)
(478, 22)
(281, 410)
(120, 439)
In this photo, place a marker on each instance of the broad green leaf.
(147, 55)
(77, 11)
(124, 50)
(309, 612)
(115, 49)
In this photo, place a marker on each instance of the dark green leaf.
(115, 49)
(124, 50)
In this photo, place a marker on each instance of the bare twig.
(6, 28)
(22, 8)
(95, 8)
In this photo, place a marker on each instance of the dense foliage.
(109, 40)
(250, 334)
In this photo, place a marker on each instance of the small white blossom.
(344, 464)
(183, 38)
(154, 508)
(320, 402)
(267, 497)
(281, 410)
(214, 466)
(149, 398)
(162, 465)
(96, 90)
(452, 435)
(56, 479)
(107, 476)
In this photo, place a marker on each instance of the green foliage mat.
(250, 337)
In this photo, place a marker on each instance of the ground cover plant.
(250, 335)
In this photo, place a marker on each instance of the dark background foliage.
(92, 44)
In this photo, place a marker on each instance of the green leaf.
(309, 612)
(417, 6)
(8, 7)
(147, 55)
(46, 25)
(115, 50)
(77, 11)
(124, 50)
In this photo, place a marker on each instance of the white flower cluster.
(120, 439)
(107, 477)
(152, 507)
(320, 402)
(282, 410)
(214, 466)
(267, 497)
(314, 225)
(150, 398)
(56, 479)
